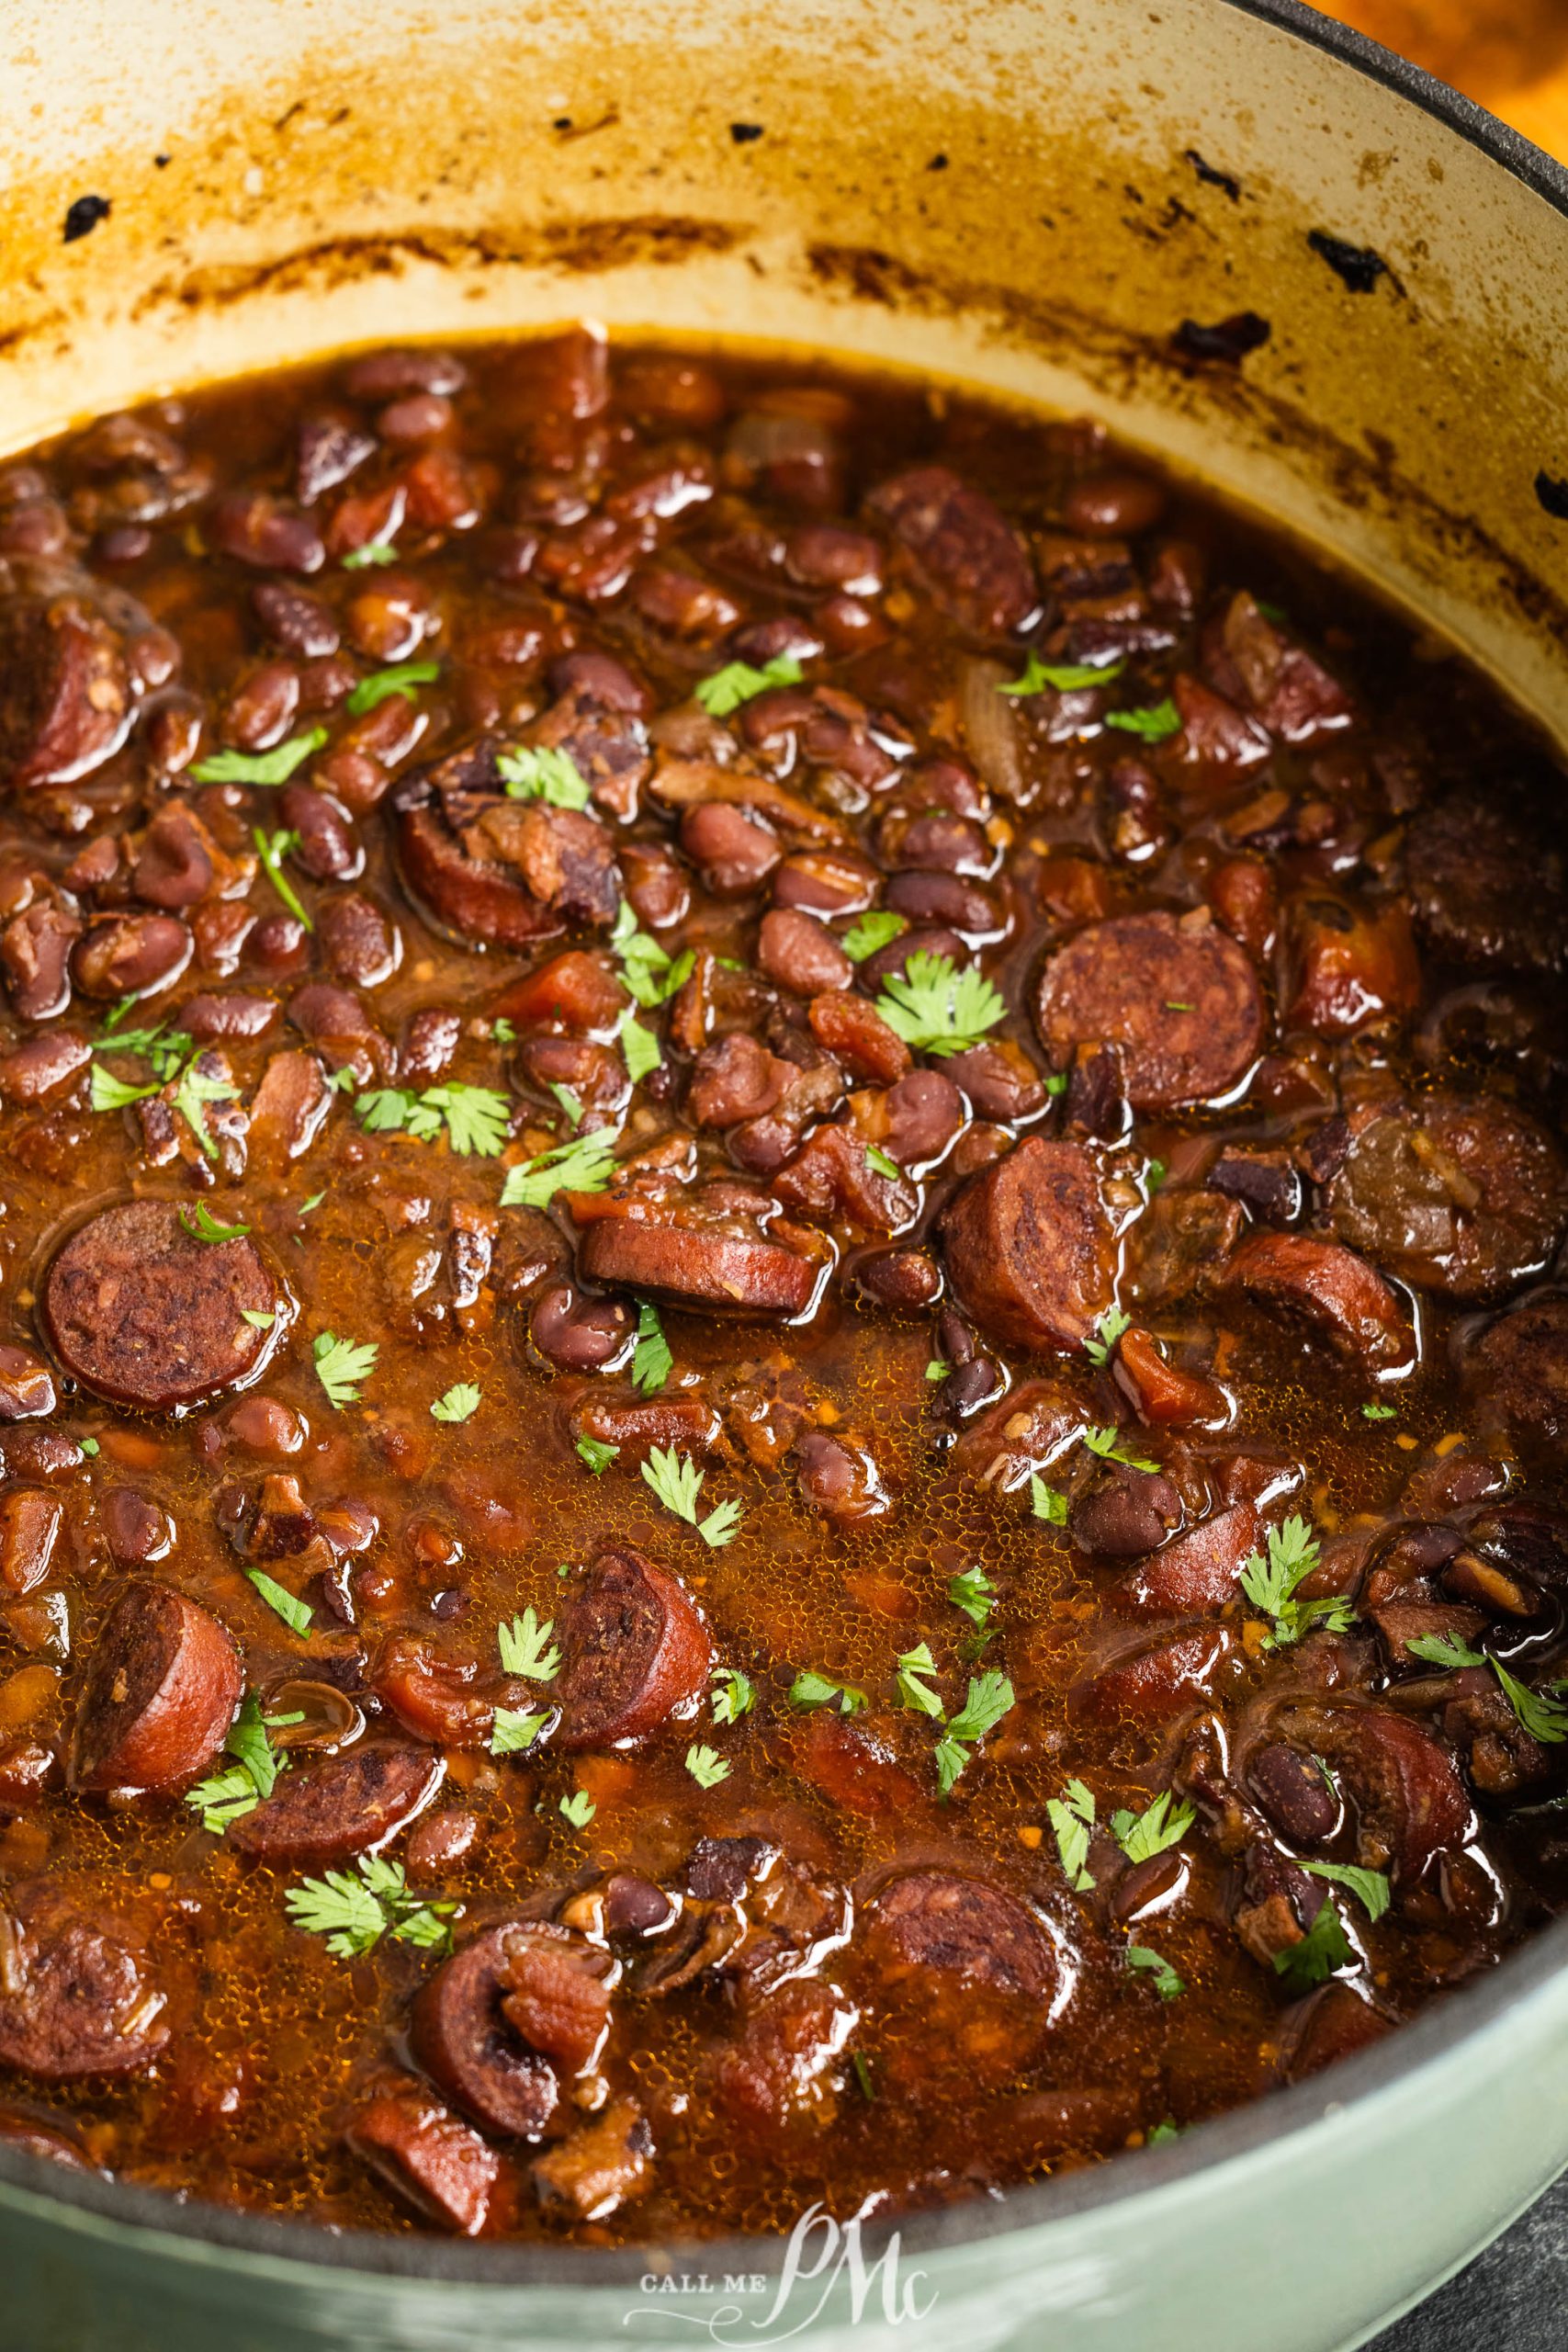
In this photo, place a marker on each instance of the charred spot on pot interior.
(1552, 492)
(1228, 341)
(1211, 177)
(1357, 265)
(82, 216)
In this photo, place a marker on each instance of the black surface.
(1513, 2297)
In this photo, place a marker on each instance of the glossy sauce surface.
(1233, 1214)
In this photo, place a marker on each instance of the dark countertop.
(1516, 2294)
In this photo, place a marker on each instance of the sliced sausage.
(1198, 1570)
(972, 1964)
(1154, 1683)
(499, 873)
(1467, 1196)
(440, 2165)
(1181, 1001)
(351, 1804)
(691, 1265)
(1518, 1368)
(77, 1997)
(1410, 1800)
(162, 1690)
(1337, 1293)
(1029, 1248)
(961, 547)
(635, 1652)
(462, 2038)
(1483, 888)
(144, 1315)
(66, 701)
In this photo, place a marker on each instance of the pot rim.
(193, 2229)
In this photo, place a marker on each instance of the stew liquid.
(781, 1386)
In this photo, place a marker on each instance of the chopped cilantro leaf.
(989, 1698)
(403, 678)
(1444, 1650)
(937, 1370)
(341, 1365)
(1107, 1331)
(1378, 1412)
(374, 551)
(1071, 1816)
(1104, 1443)
(1142, 1835)
(735, 1696)
(1152, 1964)
(1047, 1502)
(936, 1008)
(595, 1453)
(1270, 1586)
(869, 933)
(548, 776)
(260, 767)
(705, 1767)
(202, 1226)
(640, 1047)
(585, 1164)
(653, 1363)
(1157, 724)
(1325, 1948)
(1065, 677)
(810, 1690)
(972, 1592)
(1370, 1888)
(1545, 1718)
(460, 1403)
(294, 1611)
(579, 1808)
(355, 1912)
(272, 848)
(878, 1161)
(677, 1482)
(914, 1690)
(525, 1647)
(511, 1730)
(477, 1118)
(737, 681)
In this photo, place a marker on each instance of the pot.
(1032, 197)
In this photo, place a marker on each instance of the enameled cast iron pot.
(1031, 195)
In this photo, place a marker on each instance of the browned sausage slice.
(962, 549)
(1409, 1794)
(499, 872)
(463, 2041)
(1198, 1571)
(703, 1267)
(635, 1652)
(1155, 1682)
(161, 1690)
(66, 702)
(1181, 1000)
(143, 1314)
(350, 1804)
(1466, 1196)
(1029, 1248)
(1518, 1368)
(1331, 1288)
(1483, 888)
(76, 1996)
(971, 1963)
(439, 2165)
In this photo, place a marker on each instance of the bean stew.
(782, 1373)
